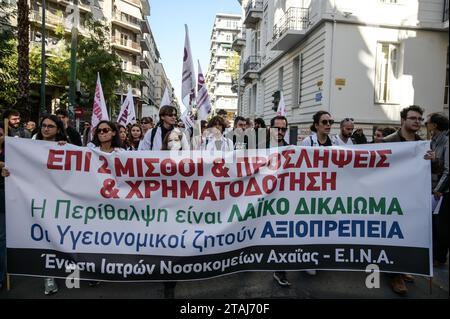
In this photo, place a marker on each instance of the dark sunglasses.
(171, 114)
(103, 130)
(326, 122)
(349, 119)
(282, 129)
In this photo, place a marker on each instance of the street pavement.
(244, 285)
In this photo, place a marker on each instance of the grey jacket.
(439, 144)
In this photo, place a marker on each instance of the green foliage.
(8, 71)
(94, 56)
(8, 57)
(233, 62)
(57, 66)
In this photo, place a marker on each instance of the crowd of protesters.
(217, 134)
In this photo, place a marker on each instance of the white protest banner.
(144, 216)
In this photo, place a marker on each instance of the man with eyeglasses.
(411, 119)
(278, 129)
(167, 122)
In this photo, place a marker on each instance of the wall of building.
(347, 50)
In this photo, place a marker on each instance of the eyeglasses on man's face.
(415, 118)
(282, 129)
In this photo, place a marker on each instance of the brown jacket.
(397, 137)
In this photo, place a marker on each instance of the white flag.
(188, 76)
(127, 114)
(166, 98)
(281, 105)
(203, 102)
(99, 111)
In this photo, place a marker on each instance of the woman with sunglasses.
(146, 124)
(135, 136)
(106, 137)
(51, 129)
(321, 128)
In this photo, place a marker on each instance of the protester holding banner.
(437, 126)
(135, 136)
(106, 137)
(278, 129)
(411, 119)
(51, 129)
(321, 126)
(154, 137)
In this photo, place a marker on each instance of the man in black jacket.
(72, 134)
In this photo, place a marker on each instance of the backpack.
(152, 136)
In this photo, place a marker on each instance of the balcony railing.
(126, 18)
(136, 2)
(131, 68)
(240, 35)
(253, 13)
(239, 40)
(144, 61)
(52, 17)
(253, 63)
(294, 19)
(126, 43)
(253, 5)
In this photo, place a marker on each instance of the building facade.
(218, 77)
(356, 59)
(131, 38)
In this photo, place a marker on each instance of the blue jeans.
(2, 236)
